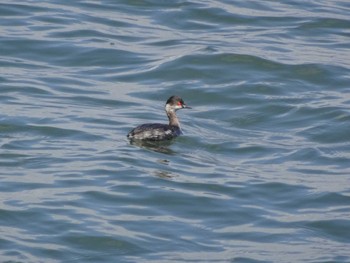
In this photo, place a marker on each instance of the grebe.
(158, 131)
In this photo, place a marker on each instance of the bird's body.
(154, 132)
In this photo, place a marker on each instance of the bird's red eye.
(179, 103)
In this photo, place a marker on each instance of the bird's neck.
(173, 120)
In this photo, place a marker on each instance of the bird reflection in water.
(164, 174)
(157, 146)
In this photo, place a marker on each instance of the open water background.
(262, 173)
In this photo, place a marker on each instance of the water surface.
(260, 175)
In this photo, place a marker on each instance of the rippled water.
(262, 173)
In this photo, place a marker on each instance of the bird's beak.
(184, 106)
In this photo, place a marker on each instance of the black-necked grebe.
(158, 131)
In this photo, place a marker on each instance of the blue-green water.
(262, 173)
